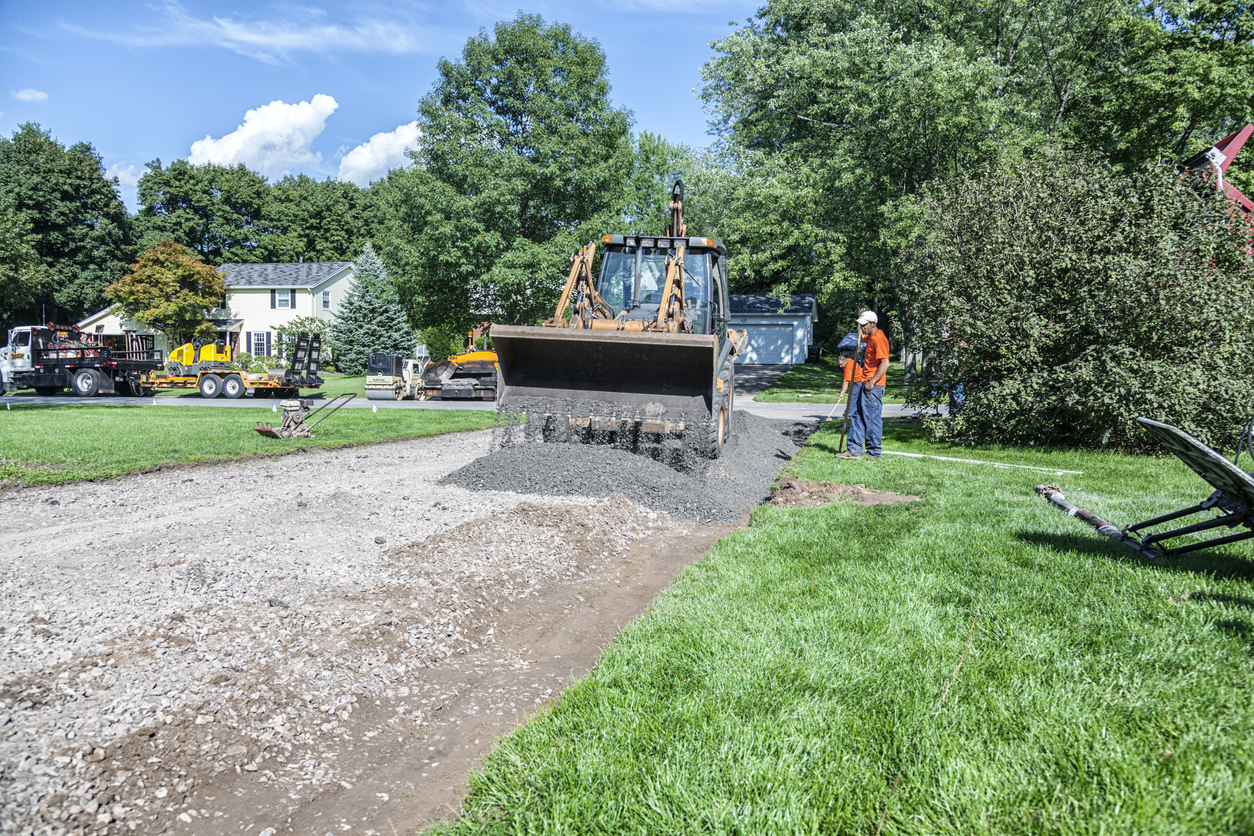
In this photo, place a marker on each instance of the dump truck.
(50, 358)
(206, 365)
(643, 352)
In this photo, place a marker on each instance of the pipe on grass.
(1056, 497)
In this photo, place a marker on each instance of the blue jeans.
(866, 420)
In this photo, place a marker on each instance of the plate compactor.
(296, 414)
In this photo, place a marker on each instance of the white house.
(259, 298)
(778, 333)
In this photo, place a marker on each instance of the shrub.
(1066, 301)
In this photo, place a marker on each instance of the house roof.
(306, 274)
(760, 303)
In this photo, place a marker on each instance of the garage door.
(768, 344)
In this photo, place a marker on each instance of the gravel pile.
(683, 485)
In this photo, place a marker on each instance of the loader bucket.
(591, 374)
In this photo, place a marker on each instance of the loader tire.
(233, 386)
(86, 382)
(210, 386)
(720, 420)
(47, 391)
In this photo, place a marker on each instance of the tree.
(82, 231)
(867, 104)
(1172, 78)
(318, 221)
(170, 289)
(521, 159)
(22, 272)
(218, 211)
(371, 318)
(1067, 300)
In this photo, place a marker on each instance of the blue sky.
(326, 89)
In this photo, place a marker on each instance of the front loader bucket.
(632, 375)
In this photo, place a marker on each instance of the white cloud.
(128, 176)
(270, 41)
(374, 159)
(29, 95)
(273, 140)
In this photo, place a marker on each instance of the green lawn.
(63, 443)
(820, 383)
(975, 662)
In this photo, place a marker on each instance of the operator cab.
(633, 277)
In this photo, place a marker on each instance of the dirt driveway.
(319, 643)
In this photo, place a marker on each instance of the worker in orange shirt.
(866, 421)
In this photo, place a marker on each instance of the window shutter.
(268, 344)
(248, 341)
(291, 299)
(274, 299)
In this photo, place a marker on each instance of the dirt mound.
(792, 492)
(707, 491)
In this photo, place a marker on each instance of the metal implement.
(296, 414)
(643, 348)
(1232, 500)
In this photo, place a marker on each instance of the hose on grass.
(979, 604)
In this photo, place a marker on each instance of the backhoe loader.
(639, 354)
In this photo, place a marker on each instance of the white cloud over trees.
(29, 95)
(274, 140)
(383, 152)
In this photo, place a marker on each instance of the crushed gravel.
(245, 646)
(684, 485)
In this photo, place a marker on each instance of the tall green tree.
(170, 289)
(219, 211)
(870, 102)
(371, 318)
(522, 158)
(22, 271)
(1171, 77)
(313, 220)
(83, 233)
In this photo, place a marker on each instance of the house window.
(285, 299)
(259, 344)
(326, 300)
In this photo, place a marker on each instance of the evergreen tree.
(371, 319)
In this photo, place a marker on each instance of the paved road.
(749, 381)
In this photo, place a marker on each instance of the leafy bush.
(443, 343)
(1066, 301)
(254, 364)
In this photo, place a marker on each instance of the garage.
(780, 329)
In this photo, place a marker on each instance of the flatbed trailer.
(212, 374)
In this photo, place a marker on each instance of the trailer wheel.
(261, 392)
(210, 386)
(86, 382)
(233, 386)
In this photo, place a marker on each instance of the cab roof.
(667, 241)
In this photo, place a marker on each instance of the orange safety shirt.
(876, 350)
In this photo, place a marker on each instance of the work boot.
(847, 456)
